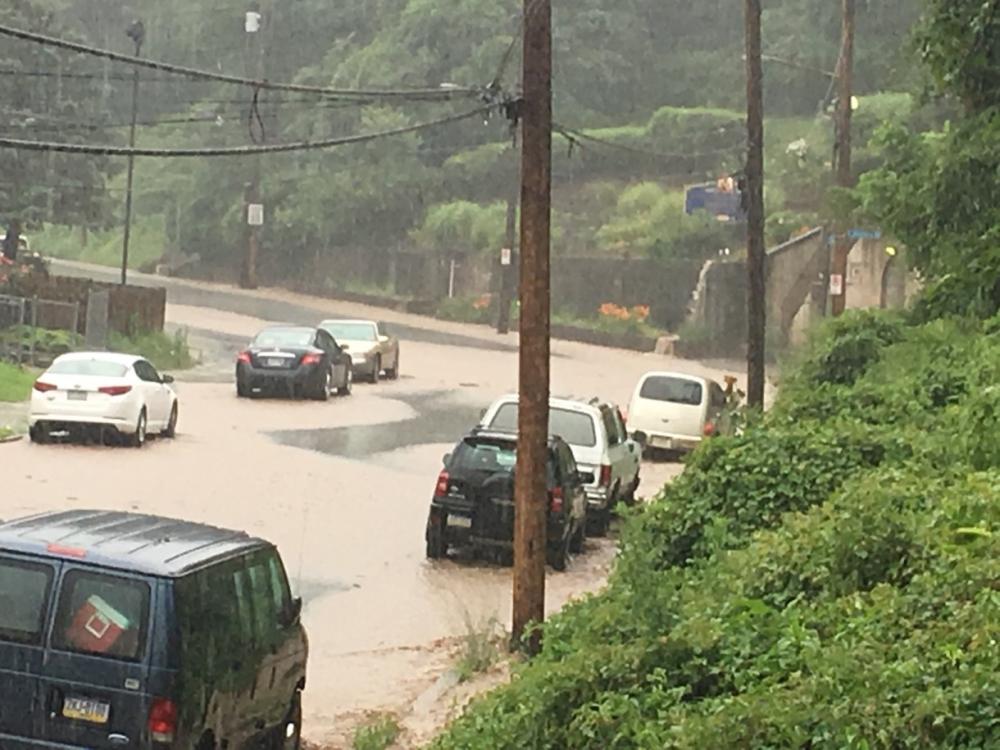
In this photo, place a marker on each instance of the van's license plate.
(460, 521)
(86, 709)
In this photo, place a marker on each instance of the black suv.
(474, 498)
(120, 630)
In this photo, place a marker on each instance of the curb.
(11, 439)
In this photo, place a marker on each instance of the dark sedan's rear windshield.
(673, 390)
(24, 591)
(285, 337)
(576, 428)
(96, 367)
(102, 614)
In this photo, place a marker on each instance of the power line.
(438, 94)
(80, 148)
(576, 136)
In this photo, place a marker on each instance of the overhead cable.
(435, 94)
(82, 148)
(579, 137)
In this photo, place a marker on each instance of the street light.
(137, 33)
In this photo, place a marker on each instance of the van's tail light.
(243, 357)
(162, 720)
(605, 480)
(42, 387)
(115, 390)
(441, 490)
(556, 500)
(709, 429)
(312, 358)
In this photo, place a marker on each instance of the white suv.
(595, 431)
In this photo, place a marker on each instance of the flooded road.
(437, 418)
(343, 488)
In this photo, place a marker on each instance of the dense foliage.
(938, 192)
(36, 186)
(825, 580)
(662, 76)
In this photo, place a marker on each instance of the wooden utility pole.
(530, 486)
(753, 197)
(510, 242)
(254, 56)
(842, 161)
(137, 33)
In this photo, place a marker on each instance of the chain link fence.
(35, 331)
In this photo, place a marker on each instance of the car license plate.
(663, 442)
(77, 395)
(461, 522)
(86, 709)
(275, 362)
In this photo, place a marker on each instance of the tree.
(938, 192)
(41, 101)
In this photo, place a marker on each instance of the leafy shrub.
(827, 579)
(378, 734)
(165, 351)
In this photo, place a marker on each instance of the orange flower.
(611, 310)
(483, 302)
(640, 312)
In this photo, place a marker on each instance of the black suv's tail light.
(441, 490)
(556, 500)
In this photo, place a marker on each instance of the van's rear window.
(24, 592)
(674, 390)
(102, 614)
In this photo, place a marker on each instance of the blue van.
(121, 630)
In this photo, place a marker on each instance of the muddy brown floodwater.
(343, 488)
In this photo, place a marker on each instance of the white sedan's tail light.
(115, 390)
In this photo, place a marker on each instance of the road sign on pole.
(255, 214)
(836, 284)
(505, 256)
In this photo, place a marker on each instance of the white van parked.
(672, 411)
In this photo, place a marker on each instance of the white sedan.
(103, 391)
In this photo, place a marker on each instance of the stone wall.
(580, 285)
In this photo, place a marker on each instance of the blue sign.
(724, 205)
(864, 234)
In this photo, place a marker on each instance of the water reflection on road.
(438, 418)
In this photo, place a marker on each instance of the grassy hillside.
(828, 579)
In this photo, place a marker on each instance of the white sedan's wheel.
(139, 437)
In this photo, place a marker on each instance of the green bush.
(15, 382)
(826, 579)
(165, 351)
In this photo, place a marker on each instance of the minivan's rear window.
(574, 427)
(674, 390)
(24, 591)
(102, 614)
